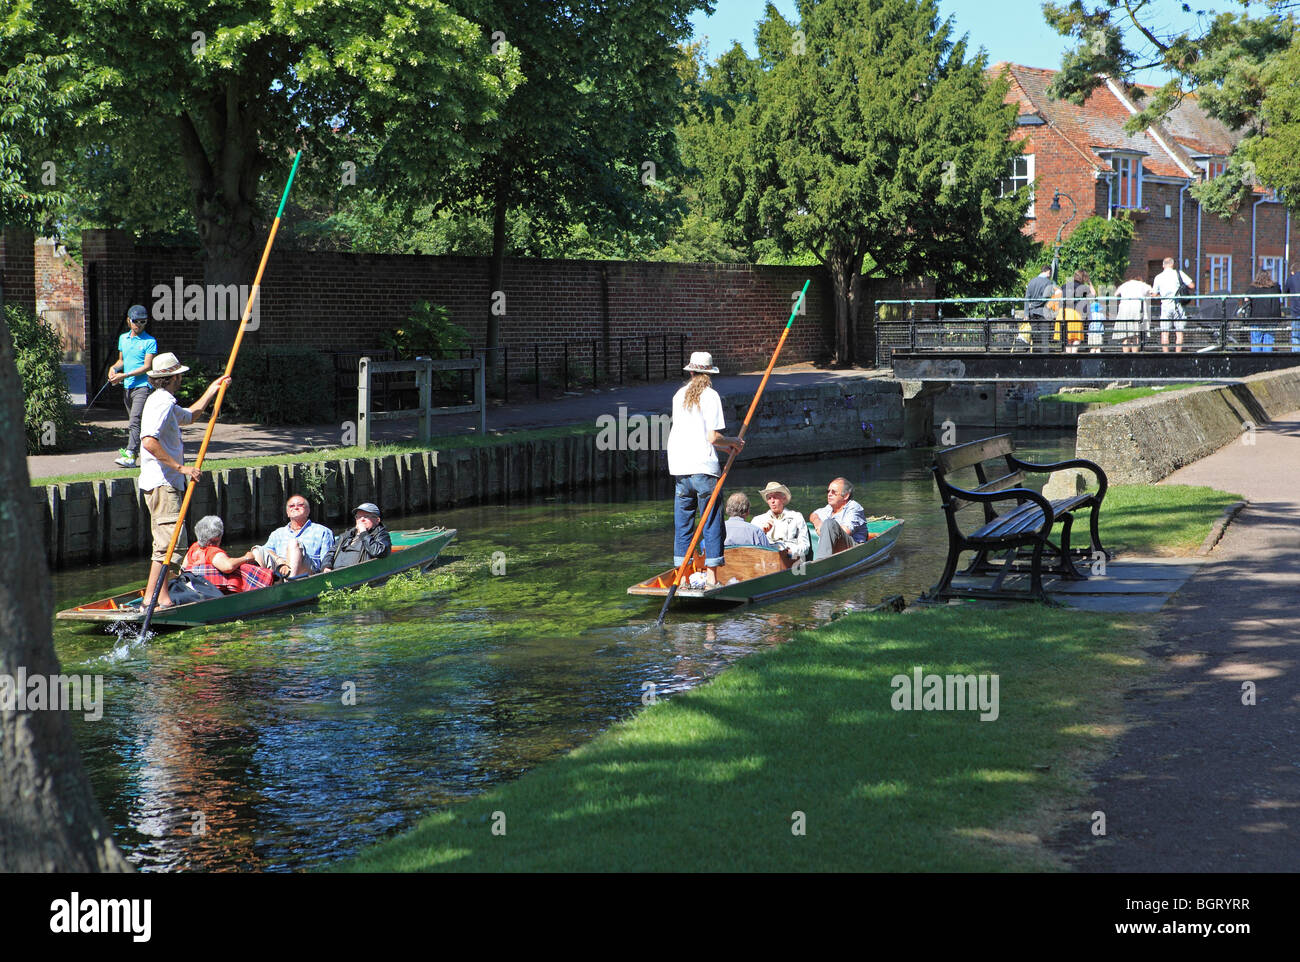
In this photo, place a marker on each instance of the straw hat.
(774, 487)
(701, 363)
(167, 365)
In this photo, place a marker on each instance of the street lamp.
(1056, 205)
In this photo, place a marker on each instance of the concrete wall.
(90, 521)
(1148, 439)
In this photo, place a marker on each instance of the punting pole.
(221, 393)
(680, 573)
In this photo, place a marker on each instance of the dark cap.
(137, 313)
(368, 508)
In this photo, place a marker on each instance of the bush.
(1099, 246)
(48, 421)
(428, 332)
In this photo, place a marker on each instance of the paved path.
(1201, 782)
(236, 440)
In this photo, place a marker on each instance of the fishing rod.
(680, 573)
(221, 393)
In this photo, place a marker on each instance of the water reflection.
(290, 742)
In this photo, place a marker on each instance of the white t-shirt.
(1165, 287)
(162, 419)
(689, 450)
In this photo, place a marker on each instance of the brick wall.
(17, 268)
(345, 302)
(60, 296)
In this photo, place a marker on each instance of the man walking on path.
(1205, 777)
(1169, 285)
(1036, 296)
(162, 462)
(135, 354)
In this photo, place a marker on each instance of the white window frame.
(1009, 185)
(1219, 267)
(1130, 166)
(1215, 168)
(1275, 267)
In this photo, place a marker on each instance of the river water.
(290, 742)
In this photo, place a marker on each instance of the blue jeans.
(1261, 341)
(689, 502)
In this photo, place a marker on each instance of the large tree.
(1241, 67)
(862, 133)
(230, 87)
(49, 819)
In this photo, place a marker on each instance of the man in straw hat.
(785, 526)
(693, 445)
(163, 472)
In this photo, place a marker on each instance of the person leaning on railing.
(1265, 312)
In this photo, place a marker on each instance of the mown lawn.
(1157, 519)
(1119, 394)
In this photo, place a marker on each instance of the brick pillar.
(18, 267)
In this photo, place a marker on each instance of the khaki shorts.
(164, 503)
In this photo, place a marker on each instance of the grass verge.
(1118, 395)
(1157, 519)
(444, 443)
(712, 780)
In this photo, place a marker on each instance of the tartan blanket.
(248, 576)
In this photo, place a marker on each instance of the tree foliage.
(38, 351)
(863, 133)
(1099, 246)
(1241, 67)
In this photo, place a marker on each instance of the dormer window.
(1126, 181)
(1215, 168)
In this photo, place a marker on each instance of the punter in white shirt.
(1165, 286)
(693, 445)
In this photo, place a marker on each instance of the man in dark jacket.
(369, 539)
(1036, 311)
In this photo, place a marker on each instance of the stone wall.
(1148, 439)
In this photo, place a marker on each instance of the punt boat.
(763, 573)
(411, 549)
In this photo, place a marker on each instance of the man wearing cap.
(369, 539)
(163, 472)
(785, 526)
(693, 461)
(135, 354)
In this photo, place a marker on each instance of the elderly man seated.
(785, 526)
(841, 523)
(740, 533)
(206, 557)
(300, 547)
(366, 540)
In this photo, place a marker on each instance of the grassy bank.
(1117, 395)
(714, 779)
(442, 443)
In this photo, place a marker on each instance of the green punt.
(411, 549)
(764, 573)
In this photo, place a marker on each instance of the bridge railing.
(1104, 323)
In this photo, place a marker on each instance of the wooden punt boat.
(411, 549)
(764, 573)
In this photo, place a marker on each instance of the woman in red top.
(206, 557)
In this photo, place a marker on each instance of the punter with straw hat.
(163, 472)
(693, 445)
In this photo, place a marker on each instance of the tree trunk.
(496, 274)
(841, 266)
(223, 184)
(49, 819)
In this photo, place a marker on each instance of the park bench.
(1020, 528)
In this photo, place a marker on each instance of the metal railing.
(1211, 322)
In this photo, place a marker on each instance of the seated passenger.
(299, 547)
(740, 533)
(206, 557)
(842, 523)
(784, 526)
(368, 540)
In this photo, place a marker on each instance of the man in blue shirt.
(740, 533)
(842, 523)
(135, 354)
(299, 547)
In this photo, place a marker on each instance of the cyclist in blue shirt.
(135, 354)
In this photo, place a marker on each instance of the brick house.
(1084, 152)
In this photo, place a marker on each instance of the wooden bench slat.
(1003, 483)
(973, 452)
